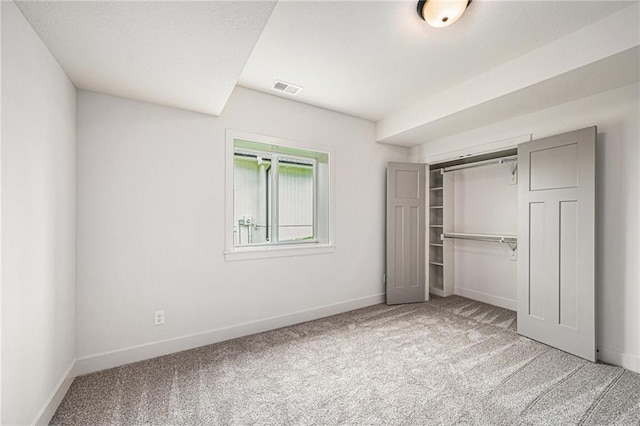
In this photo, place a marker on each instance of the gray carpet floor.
(446, 361)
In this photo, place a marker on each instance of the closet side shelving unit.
(440, 253)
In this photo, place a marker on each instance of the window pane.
(295, 201)
(251, 195)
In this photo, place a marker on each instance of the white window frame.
(282, 248)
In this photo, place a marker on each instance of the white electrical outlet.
(158, 318)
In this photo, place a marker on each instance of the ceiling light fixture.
(442, 13)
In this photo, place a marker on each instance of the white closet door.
(556, 241)
(405, 233)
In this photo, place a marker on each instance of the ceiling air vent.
(289, 88)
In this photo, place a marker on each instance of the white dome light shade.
(442, 13)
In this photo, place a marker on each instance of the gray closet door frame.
(556, 241)
(405, 276)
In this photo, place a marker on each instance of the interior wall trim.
(622, 359)
(57, 395)
(608, 355)
(116, 358)
(491, 299)
(103, 361)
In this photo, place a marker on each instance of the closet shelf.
(436, 245)
(437, 188)
(436, 226)
(436, 207)
(436, 263)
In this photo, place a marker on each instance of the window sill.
(277, 251)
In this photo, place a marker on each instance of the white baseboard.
(625, 360)
(436, 291)
(49, 409)
(608, 355)
(491, 299)
(138, 353)
(120, 357)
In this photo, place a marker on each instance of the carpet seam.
(510, 376)
(558, 383)
(491, 336)
(600, 398)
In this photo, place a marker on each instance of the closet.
(514, 228)
(472, 228)
(441, 255)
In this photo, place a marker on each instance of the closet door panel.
(554, 168)
(556, 239)
(405, 276)
(538, 258)
(568, 264)
(397, 271)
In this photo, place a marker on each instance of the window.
(279, 197)
(274, 195)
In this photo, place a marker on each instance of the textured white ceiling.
(370, 59)
(367, 59)
(183, 54)
(612, 72)
(601, 56)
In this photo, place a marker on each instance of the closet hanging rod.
(508, 239)
(503, 160)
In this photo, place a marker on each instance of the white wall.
(1, 8)
(151, 226)
(486, 202)
(38, 221)
(1, 217)
(616, 113)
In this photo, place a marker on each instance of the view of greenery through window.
(274, 195)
